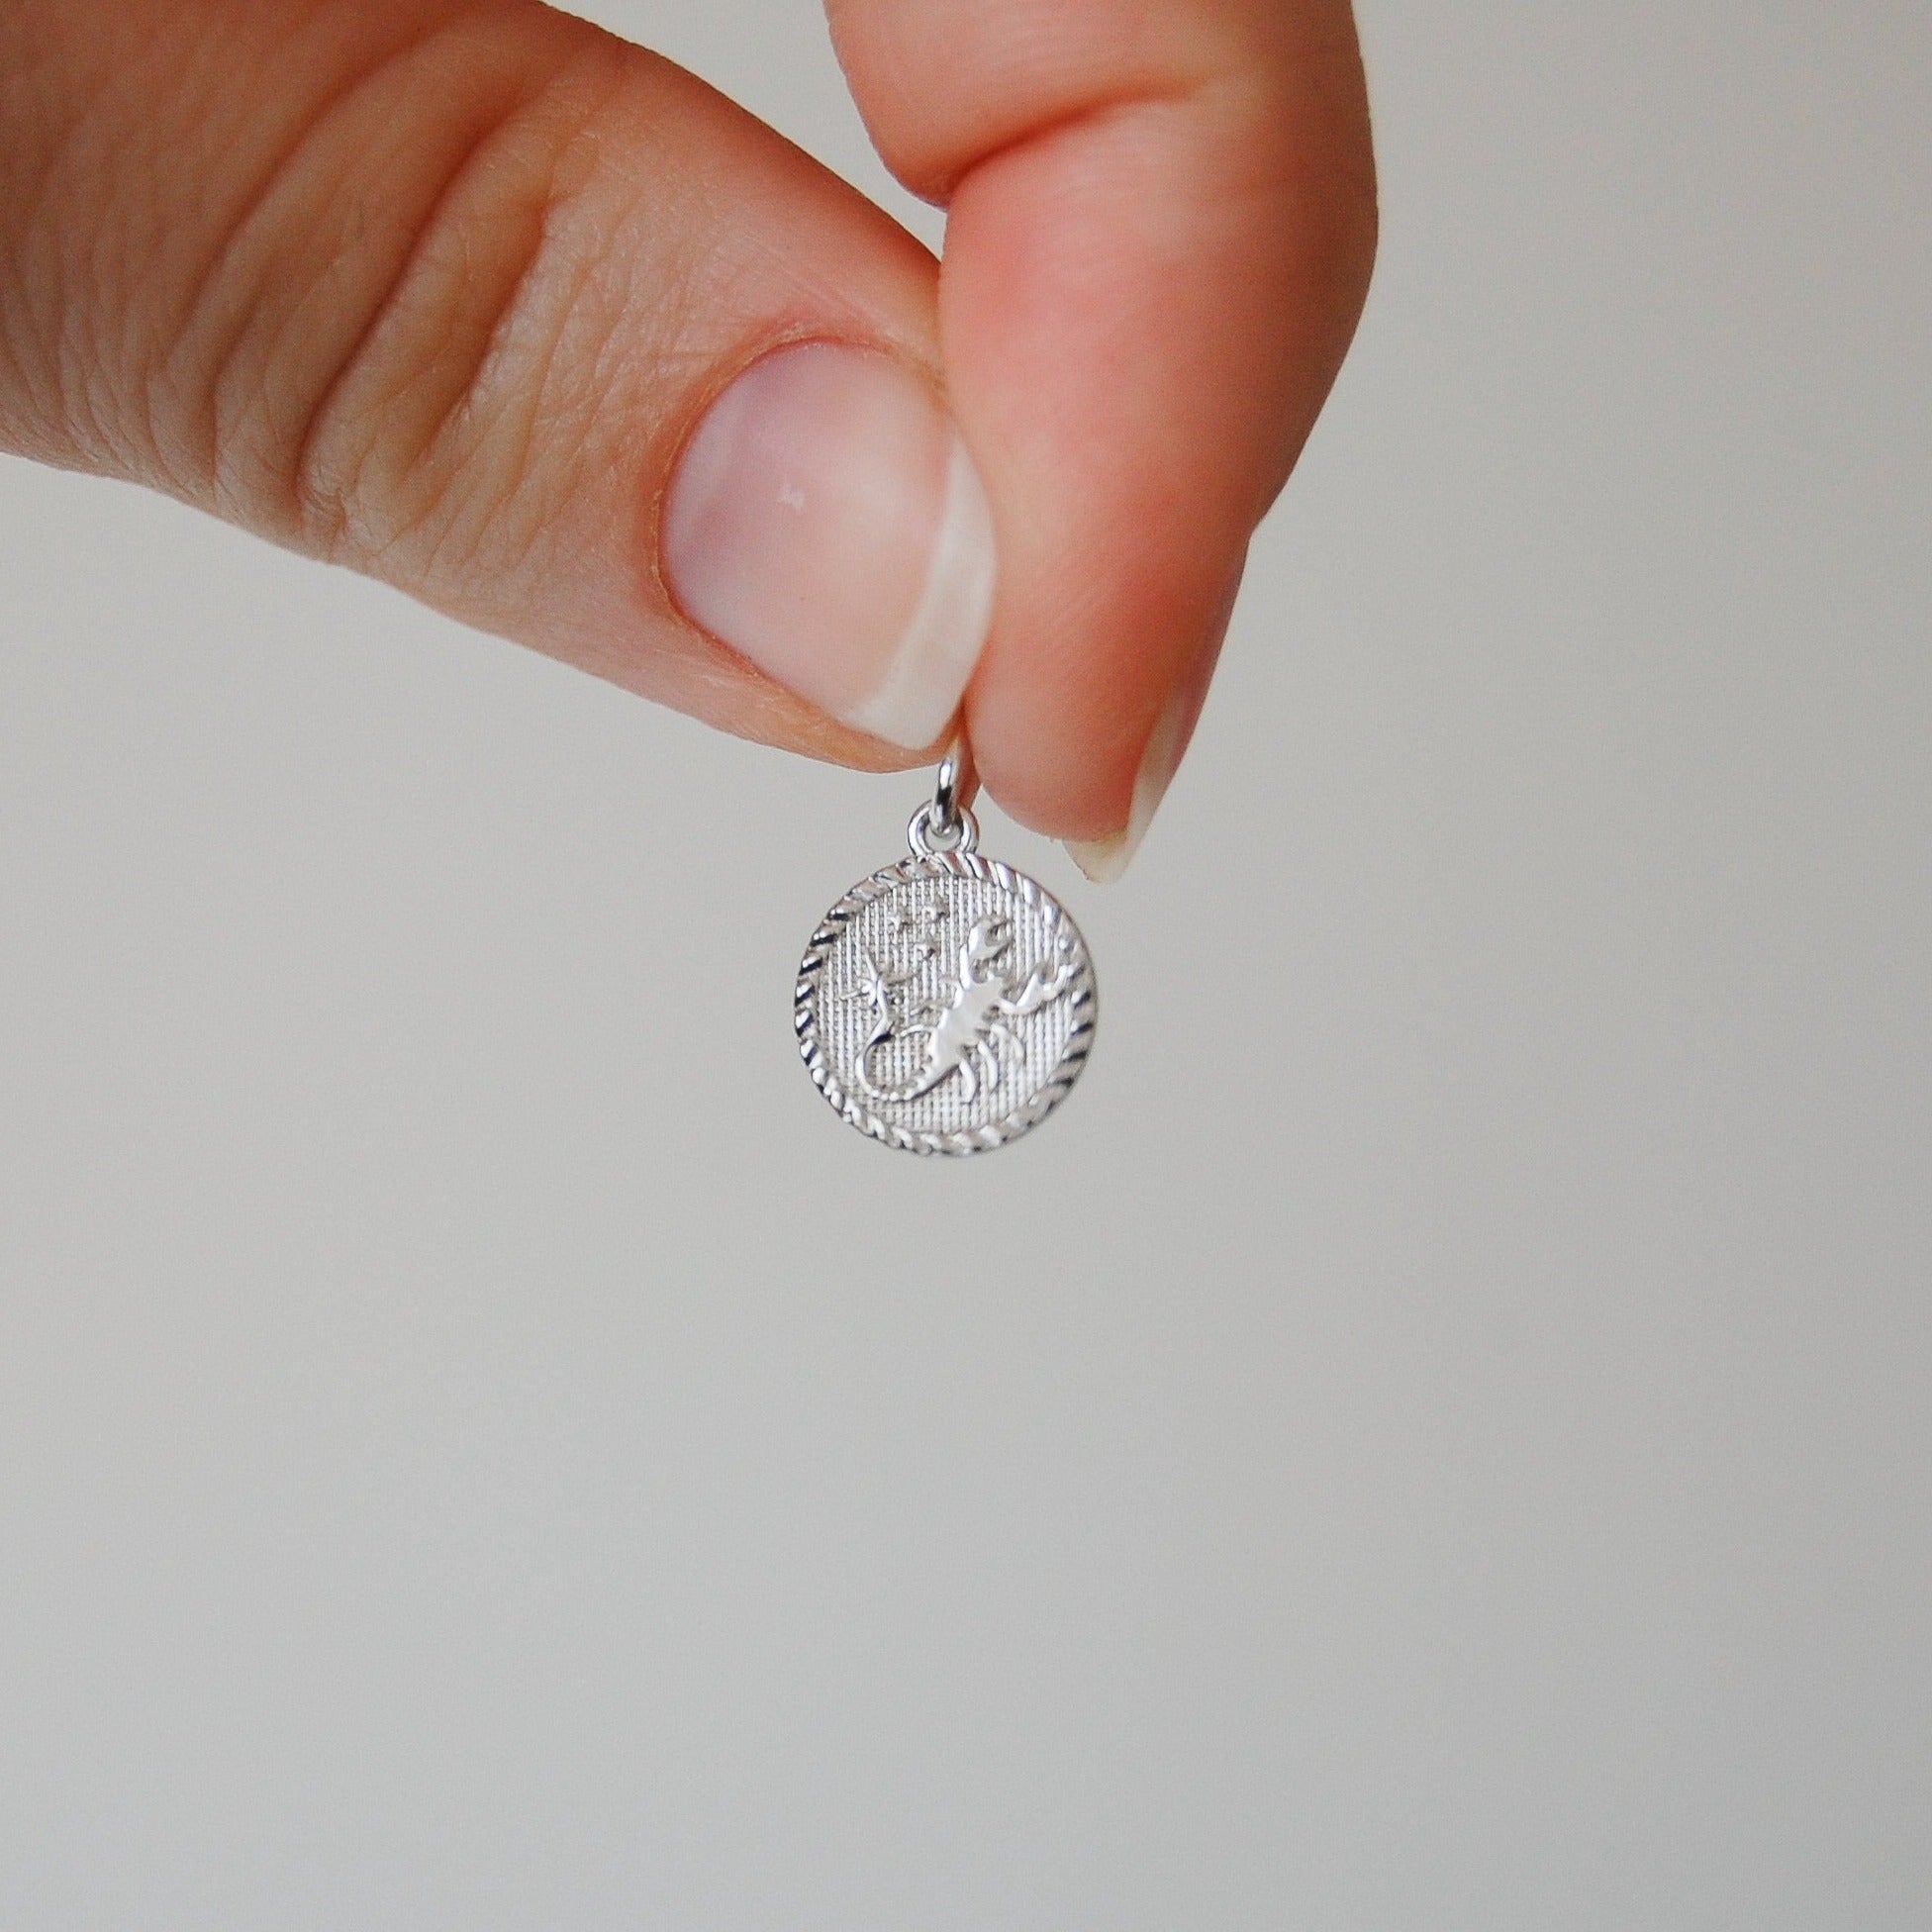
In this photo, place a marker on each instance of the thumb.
(480, 301)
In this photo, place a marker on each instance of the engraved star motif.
(920, 922)
(876, 988)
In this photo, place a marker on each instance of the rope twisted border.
(978, 1140)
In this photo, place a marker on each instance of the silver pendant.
(946, 1005)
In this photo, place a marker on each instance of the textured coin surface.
(946, 1005)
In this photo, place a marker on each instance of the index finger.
(1161, 227)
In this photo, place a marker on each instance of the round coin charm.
(946, 1005)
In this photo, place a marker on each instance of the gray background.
(1434, 1436)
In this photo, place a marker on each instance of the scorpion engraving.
(970, 1033)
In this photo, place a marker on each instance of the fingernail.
(827, 522)
(1105, 860)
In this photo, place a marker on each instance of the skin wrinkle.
(536, 375)
(69, 388)
(180, 405)
(1052, 78)
(324, 504)
(320, 519)
(229, 356)
(83, 387)
(517, 176)
(567, 302)
(54, 325)
(518, 429)
(940, 188)
(18, 76)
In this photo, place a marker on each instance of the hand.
(472, 296)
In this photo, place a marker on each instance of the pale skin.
(438, 289)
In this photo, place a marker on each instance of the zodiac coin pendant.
(946, 1005)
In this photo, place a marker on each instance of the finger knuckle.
(425, 445)
(390, 336)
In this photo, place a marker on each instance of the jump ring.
(929, 836)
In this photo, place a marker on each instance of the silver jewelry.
(946, 1005)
